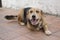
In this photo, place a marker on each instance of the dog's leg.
(45, 27)
(19, 21)
(46, 30)
(39, 26)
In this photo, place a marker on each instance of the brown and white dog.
(33, 18)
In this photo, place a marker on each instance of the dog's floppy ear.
(42, 13)
(26, 10)
(43, 17)
(25, 13)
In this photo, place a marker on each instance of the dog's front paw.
(48, 32)
(22, 23)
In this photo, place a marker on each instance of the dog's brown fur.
(31, 27)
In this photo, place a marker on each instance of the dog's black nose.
(33, 16)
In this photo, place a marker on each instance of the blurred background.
(50, 6)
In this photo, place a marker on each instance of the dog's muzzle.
(33, 17)
(34, 20)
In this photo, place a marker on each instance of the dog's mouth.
(34, 21)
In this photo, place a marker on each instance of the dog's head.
(33, 15)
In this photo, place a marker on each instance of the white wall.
(51, 6)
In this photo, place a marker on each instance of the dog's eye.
(31, 11)
(37, 11)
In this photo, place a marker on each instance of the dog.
(33, 18)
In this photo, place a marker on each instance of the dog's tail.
(11, 17)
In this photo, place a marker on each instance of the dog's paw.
(22, 24)
(48, 32)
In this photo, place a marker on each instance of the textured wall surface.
(50, 6)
